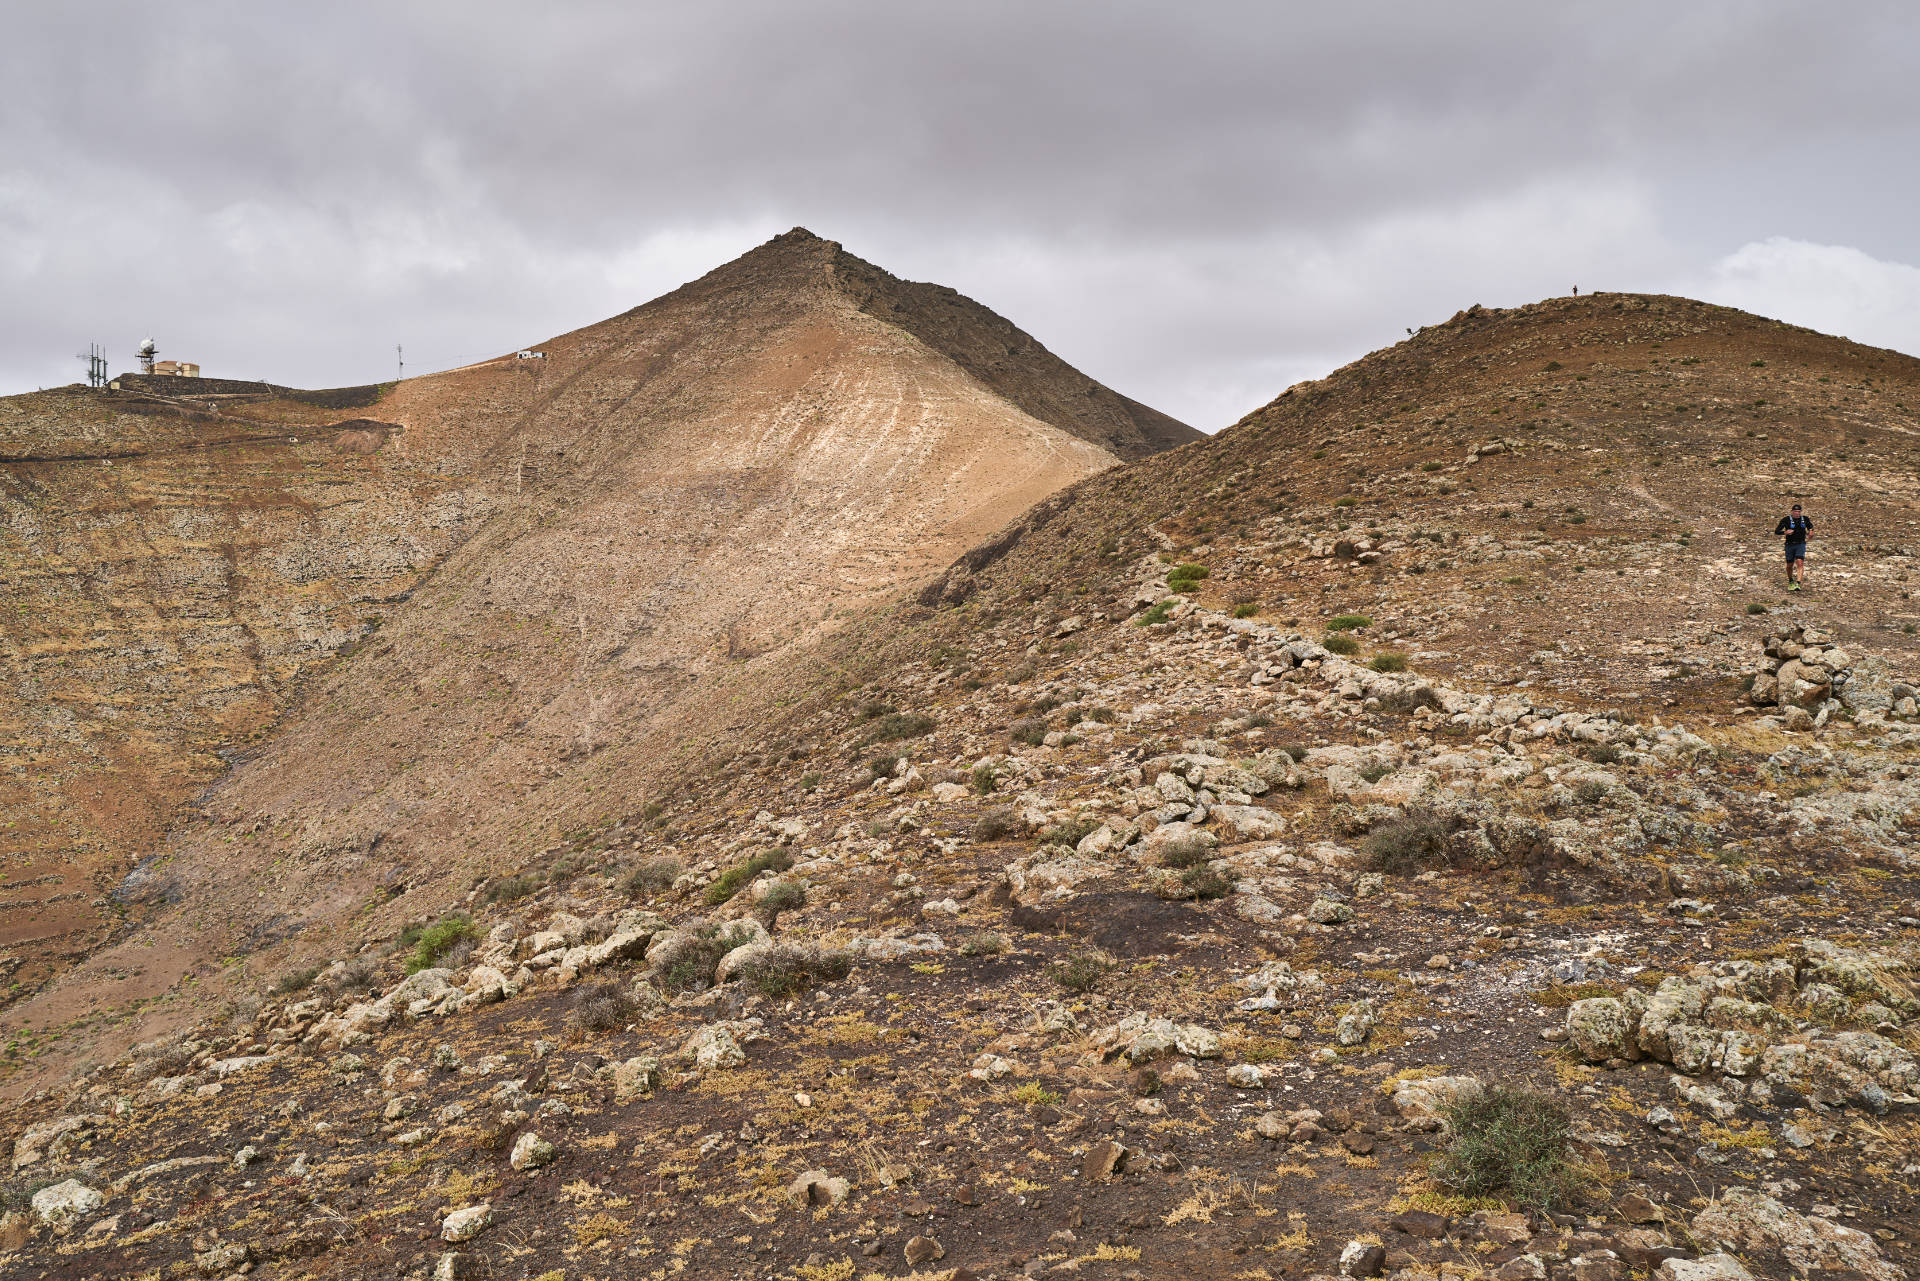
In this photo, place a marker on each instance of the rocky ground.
(1155, 894)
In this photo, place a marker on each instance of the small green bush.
(984, 944)
(1031, 730)
(996, 825)
(510, 888)
(1205, 882)
(1081, 971)
(1431, 466)
(1246, 609)
(898, 725)
(1755, 607)
(601, 1007)
(687, 968)
(781, 896)
(1341, 643)
(440, 938)
(809, 780)
(296, 980)
(1346, 502)
(1510, 1141)
(1185, 851)
(1349, 623)
(651, 877)
(785, 969)
(1408, 843)
(1402, 702)
(1187, 577)
(1602, 753)
(984, 780)
(1374, 771)
(1388, 662)
(1069, 833)
(1158, 614)
(737, 877)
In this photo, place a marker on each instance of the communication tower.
(147, 350)
(96, 358)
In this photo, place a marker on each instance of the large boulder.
(1141, 1039)
(65, 1204)
(1870, 686)
(1600, 1028)
(53, 1138)
(1748, 1221)
(713, 1046)
(1249, 822)
(1712, 1267)
(1802, 685)
(1676, 1002)
(1425, 1099)
(1040, 878)
(635, 1078)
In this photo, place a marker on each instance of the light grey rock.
(1356, 1025)
(1713, 1267)
(1326, 911)
(1742, 1219)
(1674, 1003)
(65, 1204)
(530, 1152)
(1600, 1029)
(464, 1225)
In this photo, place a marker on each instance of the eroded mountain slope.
(648, 519)
(168, 571)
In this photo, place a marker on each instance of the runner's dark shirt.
(1796, 528)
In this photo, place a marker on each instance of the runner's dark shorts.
(1796, 551)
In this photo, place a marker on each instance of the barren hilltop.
(544, 568)
(1411, 833)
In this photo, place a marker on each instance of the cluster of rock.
(1772, 1022)
(1806, 675)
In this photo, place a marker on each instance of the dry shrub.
(1415, 840)
(602, 1007)
(1511, 1141)
(996, 824)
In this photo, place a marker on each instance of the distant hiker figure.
(1795, 527)
(1576, 291)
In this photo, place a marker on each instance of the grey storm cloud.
(1197, 204)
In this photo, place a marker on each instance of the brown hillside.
(1157, 893)
(669, 496)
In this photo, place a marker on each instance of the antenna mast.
(96, 358)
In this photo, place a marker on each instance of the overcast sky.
(1197, 204)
